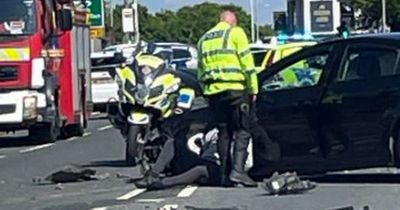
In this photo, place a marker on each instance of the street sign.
(96, 12)
(97, 33)
(128, 17)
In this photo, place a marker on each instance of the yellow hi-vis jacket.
(226, 62)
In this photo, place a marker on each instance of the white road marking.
(36, 148)
(187, 191)
(2, 156)
(105, 128)
(169, 207)
(71, 139)
(131, 194)
(87, 134)
(155, 200)
(100, 208)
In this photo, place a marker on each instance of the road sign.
(128, 25)
(97, 33)
(96, 12)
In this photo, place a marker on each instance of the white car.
(104, 87)
(184, 55)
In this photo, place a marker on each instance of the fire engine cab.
(44, 68)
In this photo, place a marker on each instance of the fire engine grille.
(6, 109)
(8, 73)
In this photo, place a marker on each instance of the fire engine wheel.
(48, 132)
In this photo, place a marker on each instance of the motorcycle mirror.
(119, 58)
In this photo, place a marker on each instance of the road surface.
(102, 149)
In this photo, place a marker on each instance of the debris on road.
(71, 173)
(287, 183)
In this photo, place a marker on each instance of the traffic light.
(343, 31)
(280, 21)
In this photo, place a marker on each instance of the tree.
(372, 10)
(186, 25)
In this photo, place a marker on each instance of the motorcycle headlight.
(172, 89)
(156, 91)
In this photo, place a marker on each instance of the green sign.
(96, 12)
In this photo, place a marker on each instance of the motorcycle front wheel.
(133, 149)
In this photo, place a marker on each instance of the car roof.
(393, 38)
(295, 44)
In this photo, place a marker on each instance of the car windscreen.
(104, 63)
(181, 54)
(259, 55)
(17, 17)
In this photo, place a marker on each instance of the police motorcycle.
(150, 91)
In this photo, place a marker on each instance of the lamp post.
(252, 13)
(384, 15)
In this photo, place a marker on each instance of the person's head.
(229, 17)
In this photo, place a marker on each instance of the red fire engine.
(44, 68)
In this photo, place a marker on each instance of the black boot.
(238, 174)
(148, 180)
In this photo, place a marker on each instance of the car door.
(288, 104)
(358, 104)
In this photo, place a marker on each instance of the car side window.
(368, 63)
(181, 54)
(306, 72)
(259, 56)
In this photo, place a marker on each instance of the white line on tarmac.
(100, 208)
(131, 194)
(187, 191)
(36, 148)
(105, 128)
(155, 200)
(71, 139)
(2, 156)
(87, 134)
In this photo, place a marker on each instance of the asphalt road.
(102, 149)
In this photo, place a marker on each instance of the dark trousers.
(233, 117)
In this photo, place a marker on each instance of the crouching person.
(204, 171)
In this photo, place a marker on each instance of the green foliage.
(186, 25)
(372, 9)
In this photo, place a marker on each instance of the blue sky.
(264, 7)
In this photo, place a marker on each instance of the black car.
(332, 106)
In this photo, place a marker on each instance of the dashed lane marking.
(105, 128)
(87, 134)
(131, 194)
(169, 207)
(100, 208)
(2, 156)
(187, 191)
(155, 200)
(71, 139)
(36, 148)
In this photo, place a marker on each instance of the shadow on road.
(108, 163)
(359, 178)
(18, 141)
